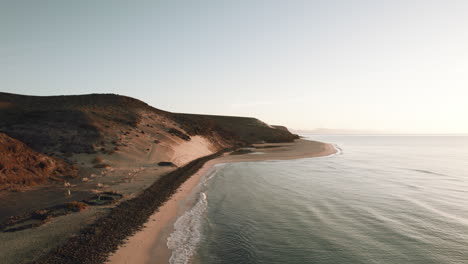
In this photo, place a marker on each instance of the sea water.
(382, 199)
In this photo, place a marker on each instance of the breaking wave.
(187, 233)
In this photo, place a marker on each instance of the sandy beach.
(117, 147)
(149, 244)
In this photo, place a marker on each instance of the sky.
(399, 66)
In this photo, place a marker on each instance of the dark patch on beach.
(104, 198)
(166, 164)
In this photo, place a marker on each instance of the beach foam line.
(339, 150)
(184, 240)
(210, 174)
(187, 232)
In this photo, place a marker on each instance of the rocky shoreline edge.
(97, 241)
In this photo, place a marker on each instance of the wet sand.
(149, 244)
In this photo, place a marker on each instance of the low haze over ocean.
(383, 199)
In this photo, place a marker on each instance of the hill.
(78, 128)
(21, 165)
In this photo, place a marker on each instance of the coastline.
(149, 244)
(95, 242)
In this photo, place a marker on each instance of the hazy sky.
(392, 65)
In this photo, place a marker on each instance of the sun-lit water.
(383, 200)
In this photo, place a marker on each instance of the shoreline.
(150, 242)
(97, 241)
(149, 245)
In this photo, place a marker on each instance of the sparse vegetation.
(179, 134)
(101, 166)
(21, 165)
(97, 160)
(76, 206)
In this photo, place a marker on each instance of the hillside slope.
(246, 129)
(21, 165)
(80, 128)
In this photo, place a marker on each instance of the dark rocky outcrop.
(166, 164)
(283, 128)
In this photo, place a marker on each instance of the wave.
(211, 173)
(339, 150)
(256, 153)
(428, 172)
(184, 240)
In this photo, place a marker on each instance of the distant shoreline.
(149, 244)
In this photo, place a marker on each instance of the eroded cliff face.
(19, 164)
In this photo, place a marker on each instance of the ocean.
(381, 199)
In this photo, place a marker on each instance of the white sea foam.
(208, 176)
(339, 150)
(211, 174)
(187, 232)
